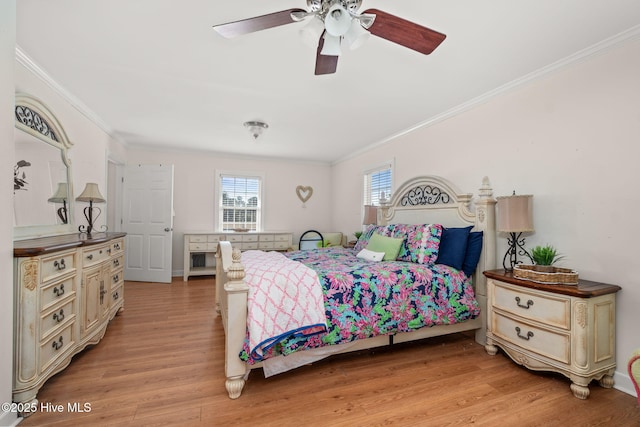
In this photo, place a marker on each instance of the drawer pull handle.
(57, 345)
(527, 338)
(116, 246)
(90, 257)
(116, 262)
(116, 278)
(116, 295)
(60, 265)
(59, 317)
(59, 292)
(526, 307)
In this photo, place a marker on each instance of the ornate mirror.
(42, 186)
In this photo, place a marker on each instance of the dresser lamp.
(515, 216)
(91, 194)
(60, 196)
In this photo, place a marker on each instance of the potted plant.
(544, 257)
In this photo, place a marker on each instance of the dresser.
(559, 328)
(66, 289)
(200, 247)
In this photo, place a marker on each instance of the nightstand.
(351, 244)
(559, 328)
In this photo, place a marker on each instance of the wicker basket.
(546, 274)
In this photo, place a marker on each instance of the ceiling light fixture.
(338, 20)
(256, 128)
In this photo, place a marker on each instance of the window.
(376, 181)
(240, 202)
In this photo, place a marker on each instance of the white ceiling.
(157, 74)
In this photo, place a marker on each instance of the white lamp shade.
(91, 193)
(356, 36)
(331, 46)
(61, 195)
(370, 215)
(338, 21)
(515, 213)
(312, 31)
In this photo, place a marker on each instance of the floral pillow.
(363, 241)
(421, 241)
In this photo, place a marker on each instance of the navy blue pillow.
(474, 247)
(453, 246)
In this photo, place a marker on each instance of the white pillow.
(368, 255)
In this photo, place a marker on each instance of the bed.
(430, 204)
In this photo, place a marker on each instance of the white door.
(148, 222)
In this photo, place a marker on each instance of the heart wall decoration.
(304, 193)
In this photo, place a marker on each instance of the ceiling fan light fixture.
(312, 31)
(357, 35)
(366, 20)
(338, 20)
(298, 15)
(331, 46)
(256, 128)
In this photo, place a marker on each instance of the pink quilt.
(285, 300)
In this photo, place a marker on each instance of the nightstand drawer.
(545, 342)
(550, 309)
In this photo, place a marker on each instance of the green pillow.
(389, 245)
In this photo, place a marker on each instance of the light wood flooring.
(161, 363)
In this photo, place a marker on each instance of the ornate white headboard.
(433, 199)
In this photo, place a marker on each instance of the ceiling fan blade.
(250, 25)
(405, 33)
(325, 64)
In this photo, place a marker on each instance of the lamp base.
(516, 247)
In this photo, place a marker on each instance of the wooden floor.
(161, 363)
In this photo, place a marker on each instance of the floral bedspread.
(365, 299)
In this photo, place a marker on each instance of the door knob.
(168, 229)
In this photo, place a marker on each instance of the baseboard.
(9, 419)
(623, 383)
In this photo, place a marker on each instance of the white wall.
(194, 192)
(7, 99)
(570, 139)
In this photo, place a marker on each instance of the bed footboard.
(231, 302)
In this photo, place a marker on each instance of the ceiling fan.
(335, 21)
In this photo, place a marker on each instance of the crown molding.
(23, 59)
(632, 34)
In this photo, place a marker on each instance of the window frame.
(367, 196)
(219, 208)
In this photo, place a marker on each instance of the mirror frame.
(41, 123)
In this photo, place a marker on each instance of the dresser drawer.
(198, 238)
(250, 238)
(550, 309)
(56, 265)
(281, 246)
(246, 246)
(53, 319)
(266, 238)
(282, 238)
(117, 294)
(214, 238)
(55, 347)
(117, 247)
(548, 343)
(117, 277)
(234, 238)
(265, 246)
(117, 262)
(202, 246)
(95, 255)
(52, 293)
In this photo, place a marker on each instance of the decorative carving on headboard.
(425, 195)
(32, 119)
